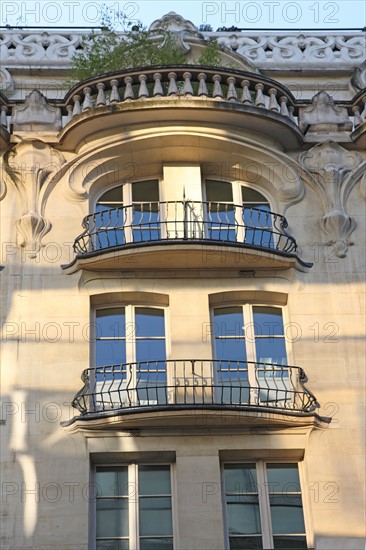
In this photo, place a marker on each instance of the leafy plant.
(107, 50)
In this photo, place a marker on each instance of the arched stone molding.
(334, 172)
(142, 154)
(30, 167)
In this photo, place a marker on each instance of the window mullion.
(250, 349)
(264, 506)
(133, 506)
(128, 214)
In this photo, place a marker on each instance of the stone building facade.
(182, 292)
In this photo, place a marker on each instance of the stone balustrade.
(188, 81)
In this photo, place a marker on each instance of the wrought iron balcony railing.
(182, 221)
(193, 383)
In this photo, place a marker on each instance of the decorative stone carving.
(30, 167)
(35, 115)
(6, 81)
(358, 80)
(324, 116)
(173, 22)
(288, 49)
(335, 171)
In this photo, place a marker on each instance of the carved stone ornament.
(335, 171)
(324, 116)
(173, 22)
(36, 115)
(29, 168)
(358, 80)
(6, 81)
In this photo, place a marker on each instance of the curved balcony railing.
(193, 383)
(184, 221)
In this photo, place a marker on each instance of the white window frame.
(127, 201)
(133, 500)
(130, 342)
(264, 503)
(247, 309)
(236, 186)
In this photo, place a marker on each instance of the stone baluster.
(187, 89)
(3, 118)
(143, 91)
(357, 121)
(158, 88)
(273, 104)
(259, 98)
(217, 90)
(128, 95)
(114, 97)
(291, 115)
(69, 109)
(283, 102)
(77, 107)
(88, 102)
(202, 88)
(172, 90)
(231, 93)
(101, 99)
(245, 96)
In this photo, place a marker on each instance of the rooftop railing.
(193, 383)
(184, 221)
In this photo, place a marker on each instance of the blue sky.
(244, 14)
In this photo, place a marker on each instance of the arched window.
(238, 213)
(128, 213)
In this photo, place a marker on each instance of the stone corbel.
(29, 167)
(335, 171)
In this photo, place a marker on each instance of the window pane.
(110, 322)
(243, 515)
(156, 544)
(232, 349)
(113, 544)
(155, 516)
(112, 482)
(220, 191)
(240, 478)
(113, 195)
(150, 350)
(268, 321)
(283, 478)
(290, 543)
(110, 352)
(149, 322)
(145, 191)
(108, 216)
(112, 517)
(154, 480)
(271, 350)
(229, 321)
(287, 515)
(246, 543)
(250, 195)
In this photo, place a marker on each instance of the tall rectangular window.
(134, 508)
(263, 506)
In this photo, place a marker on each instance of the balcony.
(184, 234)
(190, 94)
(180, 386)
